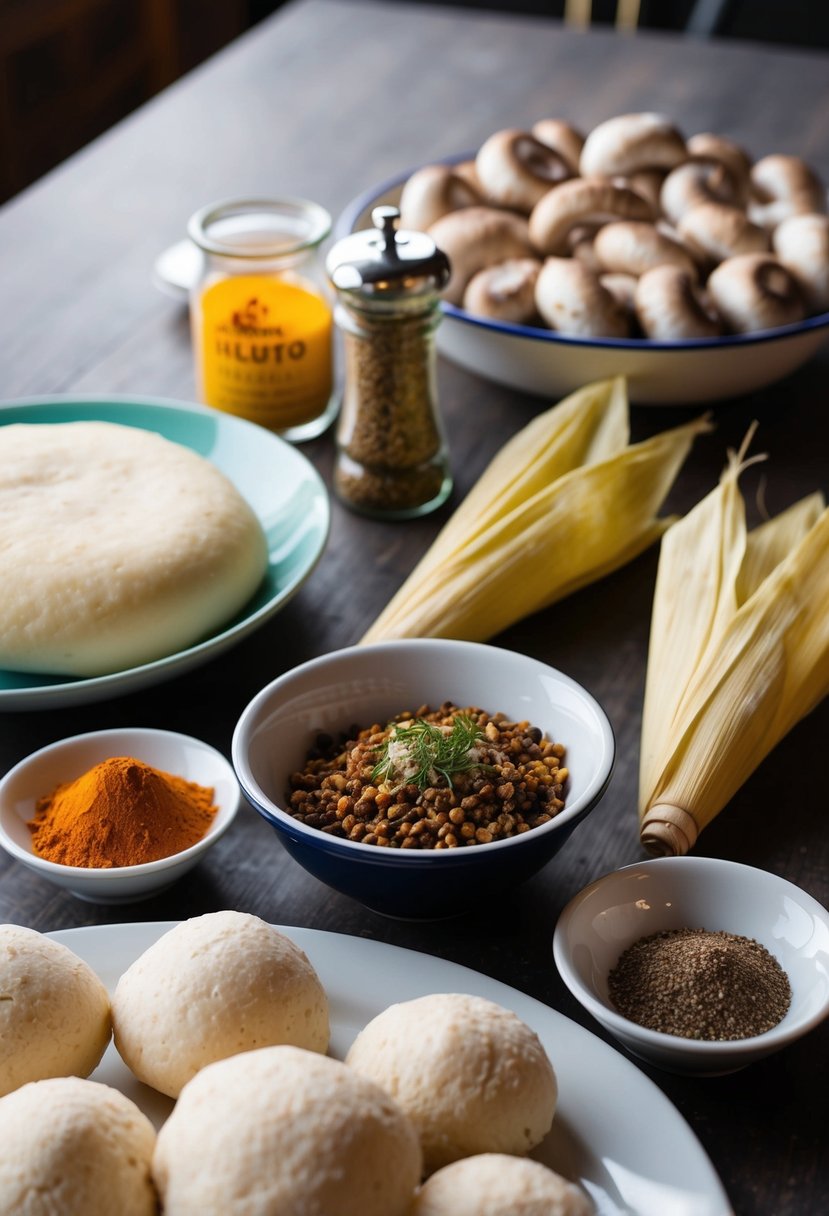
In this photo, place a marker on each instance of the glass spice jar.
(260, 314)
(392, 461)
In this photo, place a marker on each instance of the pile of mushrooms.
(631, 232)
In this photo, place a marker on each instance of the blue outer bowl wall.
(445, 886)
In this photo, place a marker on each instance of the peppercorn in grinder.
(392, 460)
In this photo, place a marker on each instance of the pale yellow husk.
(565, 502)
(739, 653)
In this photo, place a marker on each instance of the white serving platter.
(614, 1132)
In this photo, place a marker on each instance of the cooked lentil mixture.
(431, 779)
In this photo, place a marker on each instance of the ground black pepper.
(700, 984)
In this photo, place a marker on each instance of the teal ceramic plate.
(280, 484)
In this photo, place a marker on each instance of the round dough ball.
(493, 1184)
(76, 1148)
(471, 1075)
(117, 547)
(54, 1011)
(209, 988)
(288, 1132)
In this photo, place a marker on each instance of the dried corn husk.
(739, 652)
(565, 502)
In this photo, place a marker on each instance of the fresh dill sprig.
(416, 750)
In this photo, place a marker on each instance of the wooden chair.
(580, 13)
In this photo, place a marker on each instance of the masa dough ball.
(470, 1074)
(74, 1148)
(493, 1184)
(213, 986)
(54, 1011)
(285, 1132)
(117, 547)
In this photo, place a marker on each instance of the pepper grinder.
(392, 461)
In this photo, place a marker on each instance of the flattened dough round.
(117, 547)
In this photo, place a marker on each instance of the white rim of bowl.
(96, 874)
(656, 1038)
(333, 844)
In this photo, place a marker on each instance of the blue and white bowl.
(549, 364)
(365, 684)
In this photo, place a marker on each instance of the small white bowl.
(695, 892)
(68, 759)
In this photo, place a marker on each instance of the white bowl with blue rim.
(549, 364)
(365, 684)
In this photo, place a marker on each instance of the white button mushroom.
(754, 291)
(670, 308)
(784, 186)
(802, 245)
(516, 169)
(715, 231)
(475, 238)
(433, 191)
(628, 247)
(563, 138)
(505, 292)
(708, 146)
(695, 182)
(582, 201)
(629, 142)
(571, 300)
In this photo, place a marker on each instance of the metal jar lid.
(384, 265)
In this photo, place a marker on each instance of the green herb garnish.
(416, 751)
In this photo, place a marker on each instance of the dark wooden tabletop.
(322, 101)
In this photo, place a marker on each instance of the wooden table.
(324, 100)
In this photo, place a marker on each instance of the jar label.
(263, 350)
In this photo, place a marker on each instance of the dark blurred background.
(69, 69)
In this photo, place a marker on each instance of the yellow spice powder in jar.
(261, 320)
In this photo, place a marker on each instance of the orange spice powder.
(122, 812)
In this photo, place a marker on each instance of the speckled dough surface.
(471, 1075)
(493, 1184)
(70, 1147)
(54, 1011)
(285, 1132)
(215, 985)
(117, 547)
